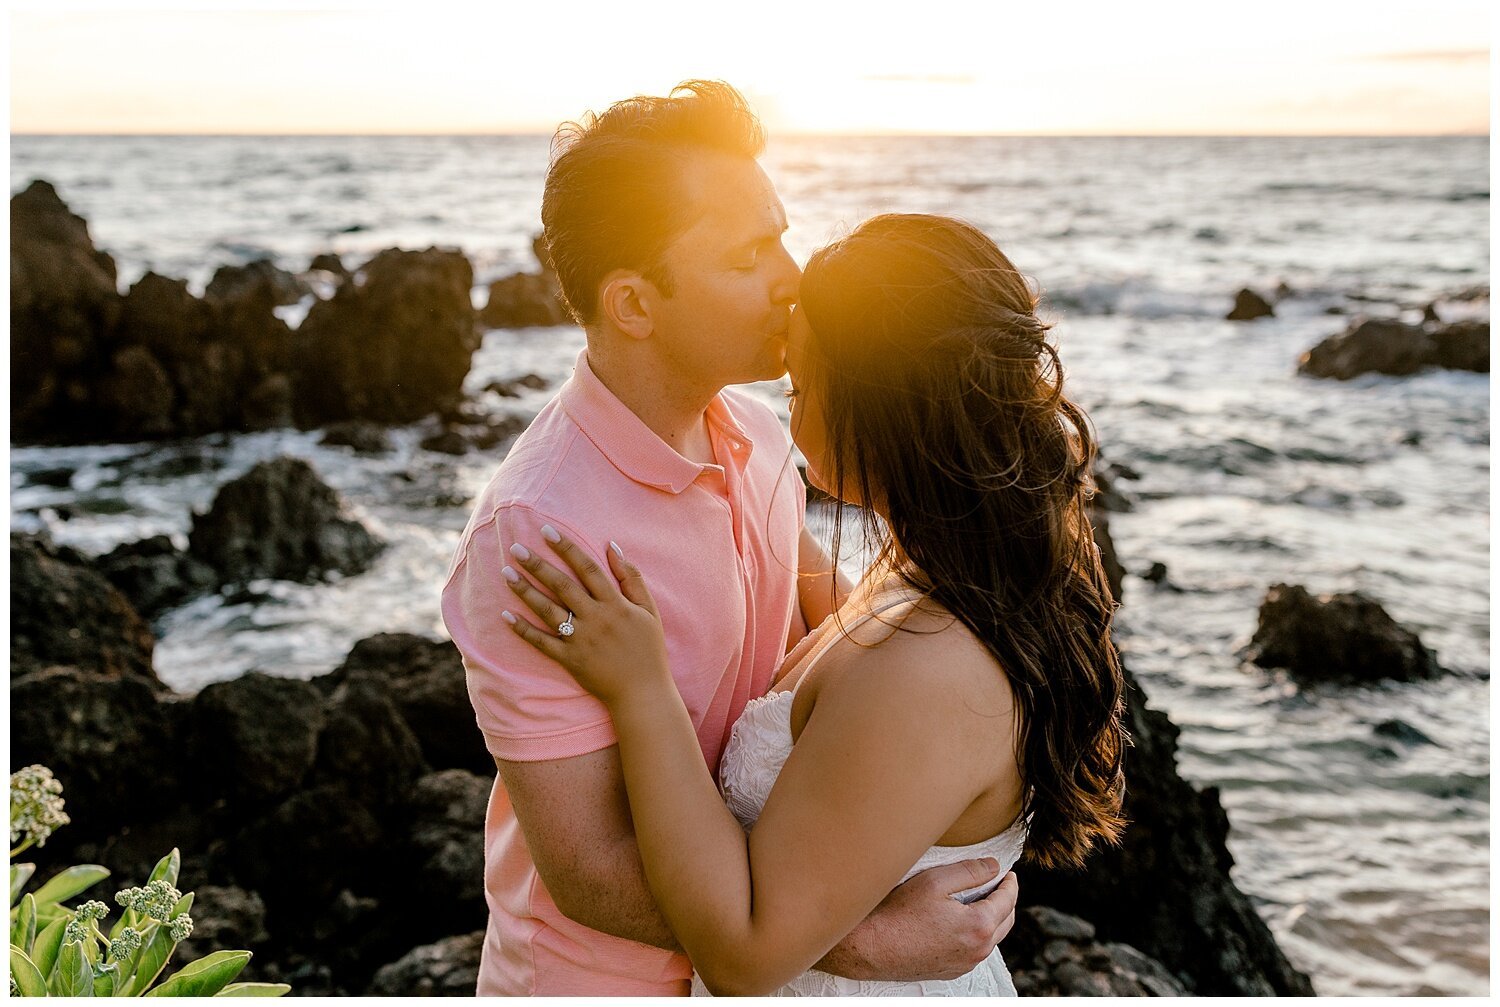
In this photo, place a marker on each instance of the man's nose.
(788, 279)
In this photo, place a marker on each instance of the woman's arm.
(880, 772)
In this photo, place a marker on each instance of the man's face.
(733, 283)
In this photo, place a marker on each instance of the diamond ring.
(566, 629)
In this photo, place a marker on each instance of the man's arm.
(821, 587)
(576, 819)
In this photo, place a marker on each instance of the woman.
(965, 700)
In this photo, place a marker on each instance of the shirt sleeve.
(527, 706)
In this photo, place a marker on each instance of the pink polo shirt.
(717, 545)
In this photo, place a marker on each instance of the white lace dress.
(759, 744)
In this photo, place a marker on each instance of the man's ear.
(627, 300)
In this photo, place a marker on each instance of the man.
(666, 237)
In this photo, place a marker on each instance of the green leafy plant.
(57, 951)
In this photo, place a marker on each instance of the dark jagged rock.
(522, 300)
(1166, 889)
(1387, 346)
(1114, 571)
(1053, 954)
(448, 968)
(253, 739)
(1400, 730)
(63, 305)
(225, 918)
(154, 575)
(261, 279)
(446, 811)
(364, 437)
(391, 345)
(1430, 313)
(1462, 346)
(280, 520)
(1339, 637)
(509, 388)
(1249, 305)
(1156, 573)
(425, 679)
(329, 262)
(366, 748)
(332, 838)
(64, 612)
(109, 740)
(447, 442)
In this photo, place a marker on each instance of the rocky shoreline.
(334, 826)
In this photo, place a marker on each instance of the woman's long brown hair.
(944, 398)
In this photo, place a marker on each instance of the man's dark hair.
(614, 196)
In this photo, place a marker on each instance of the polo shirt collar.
(630, 445)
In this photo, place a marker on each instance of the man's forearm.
(613, 899)
(617, 902)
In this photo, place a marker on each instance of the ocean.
(1367, 856)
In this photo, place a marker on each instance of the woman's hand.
(617, 643)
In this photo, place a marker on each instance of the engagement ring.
(566, 629)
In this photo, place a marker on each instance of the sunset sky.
(921, 66)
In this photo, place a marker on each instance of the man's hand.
(920, 932)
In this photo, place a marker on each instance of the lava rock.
(366, 749)
(108, 739)
(445, 812)
(449, 967)
(64, 612)
(63, 305)
(364, 437)
(225, 918)
(522, 300)
(1249, 305)
(254, 739)
(333, 840)
(1462, 346)
(329, 262)
(448, 442)
(391, 345)
(1050, 953)
(260, 279)
(1387, 346)
(155, 575)
(1339, 637)
(1400, 730)
(280, 520)
(1156, 574)
(1166, 888)
(425, 679)
(509, 389)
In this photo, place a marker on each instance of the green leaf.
(23, 931)
(48, 943)
(105, 978)
(254, 990)
(166, 868)
(127, 919)
(204, 977)
(69, 883)
(19, 875)
(72, 977)
(27, 976)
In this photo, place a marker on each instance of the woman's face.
(808, 428)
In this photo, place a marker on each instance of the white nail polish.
(550, 534)
(510, 575)
(616, 547)
(520, 552)
(508, 617)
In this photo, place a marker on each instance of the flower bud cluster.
(155, 900)
(181, 927)
(126, 944)
(36, 805)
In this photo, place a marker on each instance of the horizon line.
(798, 134)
